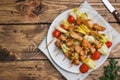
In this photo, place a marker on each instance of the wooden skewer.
(78, 73)
(71, 65)
(95, 17)
(55, 49)
(64, 58)
(50, 42)
(57, 54)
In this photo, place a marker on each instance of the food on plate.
(81, 40)
(84, 68)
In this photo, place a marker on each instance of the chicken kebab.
(81, 40)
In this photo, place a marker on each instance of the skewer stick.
(57, 54)
(95, 17)
(56, 48)
(64, 58)
(71, 65)
(50, 42)
(78, 73)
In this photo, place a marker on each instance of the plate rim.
(106, 56)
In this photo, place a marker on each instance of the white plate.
(59, 59)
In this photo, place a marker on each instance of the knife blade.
(112, 10)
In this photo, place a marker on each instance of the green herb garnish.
(111, 71)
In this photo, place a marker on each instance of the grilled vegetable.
(109, 44)
(56, 33)
(84, 68)
(102, 38)
(89, 38)
(73, 14)
(65, 48)
(82, 29)
(71, 19)
(89, 62)
(104, 50)
(95, 56)
(60, 29)
(65, 23)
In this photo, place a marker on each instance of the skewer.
(64, 58)
(50, 42)
(56, 49)
(71, 65)
(57, 54)
(78, 73)
(94, 17)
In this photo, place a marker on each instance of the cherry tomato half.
(71, 19)
(109, 44)
(62, 26)
(96, 55)
(84, 68)
(56, 33)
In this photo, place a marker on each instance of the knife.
(112, 10)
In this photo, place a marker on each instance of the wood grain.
(12, 12)
(22, 31)
(38, 70)
(23, 40)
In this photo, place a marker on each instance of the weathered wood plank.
(12, 12)
(22, 40)
(38, 70)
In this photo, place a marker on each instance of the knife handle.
(116, 15)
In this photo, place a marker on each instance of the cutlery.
(112, 10)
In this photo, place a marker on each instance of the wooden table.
(23, 25)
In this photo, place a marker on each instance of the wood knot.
(6, 55)
(32, 8)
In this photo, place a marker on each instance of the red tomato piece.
(56, 33)
(109, 44)
(62, 26)
(96, 55)
(71, 19)
(84, 68)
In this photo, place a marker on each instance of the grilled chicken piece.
(97, 44)
(72, 48)
(75, 36)
(79, 50)
(89, 23)
(86, 44)
(81, 58)
(58, 43)
(76, 61)
(71, 28)
(69, 42)
(68, 54)
(92, 49)
(62, 37)
(94, 33)
(98, 27)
